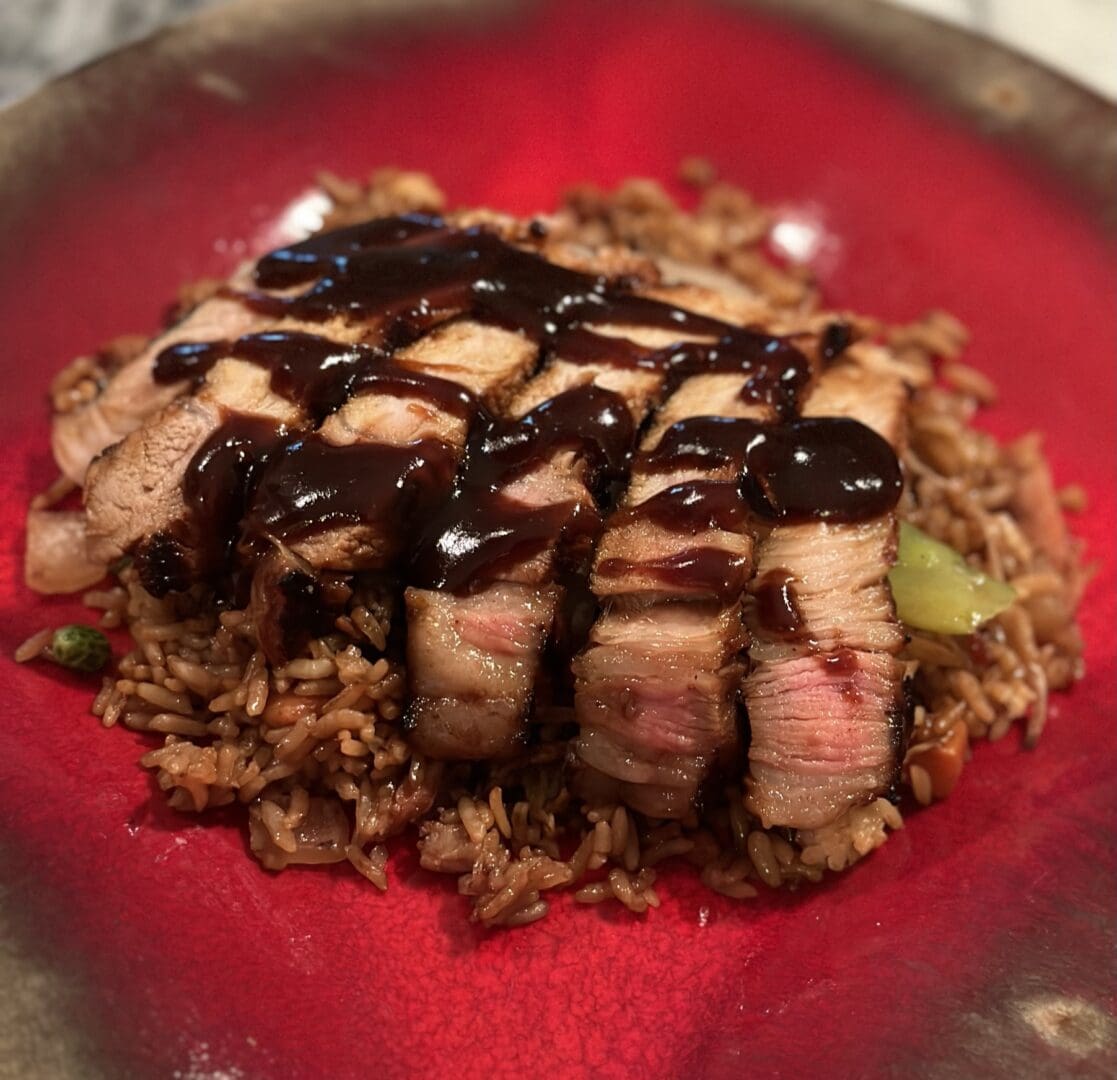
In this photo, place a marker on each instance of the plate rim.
(1002, 95)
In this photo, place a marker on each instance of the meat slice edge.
(824, 694)
(650, 734)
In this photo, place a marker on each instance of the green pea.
(82, 648)
(936, 589)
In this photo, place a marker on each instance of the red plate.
(979, 941)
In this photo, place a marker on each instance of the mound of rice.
(314, 751)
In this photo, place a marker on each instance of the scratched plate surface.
(979, 941)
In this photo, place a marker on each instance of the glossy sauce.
(479, 529)
(706, 570)
(415, 270)
(315, 373)
(801, 470)
(308, 485)
(400, 276)
(777, 609)
(691, 507)
(816, 469)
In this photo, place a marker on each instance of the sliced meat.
(290, 602)
(840, 728)
(57, 558)
(656, 701)
(401, 434)
(836, 594)
(656, 688)
(349, 496)
(131, 395)
(641, 555)
(489, 361)
(824, 694)
(553, 488)
(402, 454)
(139, 490)
(472, 662)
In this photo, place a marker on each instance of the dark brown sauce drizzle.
(691, 507)
(815, 469)
(412, 270)
(479, 529)
(777, 609)
(705, 570)
(308, 485)
(315, 373)
(802, 470)
(402, 275)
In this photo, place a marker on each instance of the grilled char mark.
(824, 694)
(290, 603)
(656, 688)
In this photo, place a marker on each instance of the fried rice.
(314, 749)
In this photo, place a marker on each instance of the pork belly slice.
(660, 580)
(644, 558)
(656, 701)
(498, 728)
(134, 492)
(131, 395)
(840, 723)
(482, 358)
(837, 590)
(472, 664)
(824, 695)
(397, 451)
(868, 385)
(375, 421)
(489, 361)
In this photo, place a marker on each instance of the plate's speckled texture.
(978, 942)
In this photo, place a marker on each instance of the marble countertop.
(40, 38)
